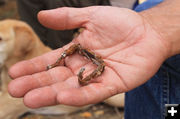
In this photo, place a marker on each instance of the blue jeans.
(148, 100)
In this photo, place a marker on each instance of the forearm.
(165, 19)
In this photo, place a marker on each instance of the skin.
(132, 45)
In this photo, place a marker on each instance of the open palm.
(132, 50)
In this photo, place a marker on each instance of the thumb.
(64, 18)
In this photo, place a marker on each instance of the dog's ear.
(24, 39)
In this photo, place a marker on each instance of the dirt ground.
(99, 111)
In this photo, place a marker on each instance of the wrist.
(164, 20)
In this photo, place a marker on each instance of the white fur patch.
(3, 54)
(6, 44)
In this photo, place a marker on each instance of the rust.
(96, 59)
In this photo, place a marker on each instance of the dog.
(19, 42)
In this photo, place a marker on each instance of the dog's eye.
(0, 39)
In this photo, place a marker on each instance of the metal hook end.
(81, 71)
(49, 67)
(63, 55)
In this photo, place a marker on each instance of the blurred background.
(8, 9)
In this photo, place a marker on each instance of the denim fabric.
(148, 100)
(146, 5)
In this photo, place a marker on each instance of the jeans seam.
(165, 95)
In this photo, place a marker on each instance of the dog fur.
(19, 42)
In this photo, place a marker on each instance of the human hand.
(132, 50)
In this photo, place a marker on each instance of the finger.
(69, 92)
(65, 18)
(36, 98)
(46, 96)
(90, 94)
(20, 86)
(36, 64)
